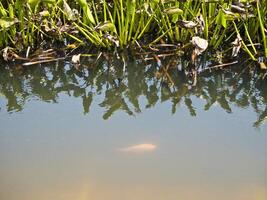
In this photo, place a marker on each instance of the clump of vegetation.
(239, 24)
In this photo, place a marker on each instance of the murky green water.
(103, 134)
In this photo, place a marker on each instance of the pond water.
(103, 133)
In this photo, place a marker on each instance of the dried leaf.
(187, 24)
(76, 59)
(68, 11)
(113, 39)
(71, 46)
(238, 9)
(201, 23)
(200, 44)
(262, 65)
(9, 54)
(236, 45)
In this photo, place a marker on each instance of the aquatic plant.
(119, 24)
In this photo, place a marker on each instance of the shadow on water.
(240, 86)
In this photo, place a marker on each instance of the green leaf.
(106, 26)
(221, 19)
(7, 22)
(173, 10)
(33, 3)
(49, 1)
(82, 3)
(175, 18)
(88, 14)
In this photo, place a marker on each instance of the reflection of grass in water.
(123, 91)
(120, 23)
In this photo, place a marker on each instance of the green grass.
(123, 23)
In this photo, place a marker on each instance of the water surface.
(101, 133)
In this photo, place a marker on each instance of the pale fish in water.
(139, 148)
